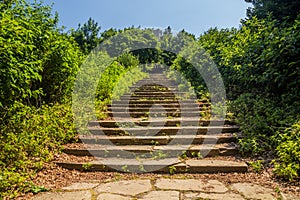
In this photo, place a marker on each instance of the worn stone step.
(160, 165)
(140, 131)
(153, 88)
(156, 109)
(158, 114)
(125, 165)
(170, 105)
(157, 86)
(161, 96)
(150, 98)
(157, 140)
(151, 151)
(163, 122)
(153, 93)
(153, 102)
(155, 82)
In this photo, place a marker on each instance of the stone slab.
(212, 196)
(107, 196)
(214, 166)
(289, 196)
(79, 195)
(133, 187)
(252, 191)
(191, 185)
(155, 195)
(81, 186)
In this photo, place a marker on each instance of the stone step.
(156, 109)
(160, 122)
(157, 140)
(159, 131)
(153, 88)
(155, 114)
(160, 165)
(156, 81)
(153, 102)
(156, 84)
(166, 96)
(129, 97)
(151, 151)
(153, 93)
(174, 105)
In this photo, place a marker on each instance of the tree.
(280, 9)
(108, 33)
(168, 31)
(87, 36)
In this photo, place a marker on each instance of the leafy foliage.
(34, 54)
(38, 67)
(38, 64)
(260, 67)
(116, 79)
(288, 152)
(87, 36)
(259, 119)
(280, 9)
(29, 137)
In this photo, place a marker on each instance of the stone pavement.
(171, 189)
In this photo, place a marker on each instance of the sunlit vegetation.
(259, 64)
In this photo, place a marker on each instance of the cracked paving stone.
(154, 195)
(81, 186)
(107, 196)
(252, 191)
(132, 188)
(191, 185)
(212, 196)
(80, 195)
(289, 196)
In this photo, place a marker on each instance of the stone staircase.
(155, 129)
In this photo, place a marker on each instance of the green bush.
(115, 81)
(260, 67)
(38, 63)
(254, 115)
(259, 119)
(29, 137)
(288, 151)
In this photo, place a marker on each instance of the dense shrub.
(38, 65)
(260, 68)
(37, 62)
(288, 151)
(260, 58)
(29, 137)
(116, 79)
(59, 70)
(260, 119)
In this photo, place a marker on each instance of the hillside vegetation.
(259, 64)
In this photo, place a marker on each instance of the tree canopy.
(280, 9)
(87, 36)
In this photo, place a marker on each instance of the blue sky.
(195, 16)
